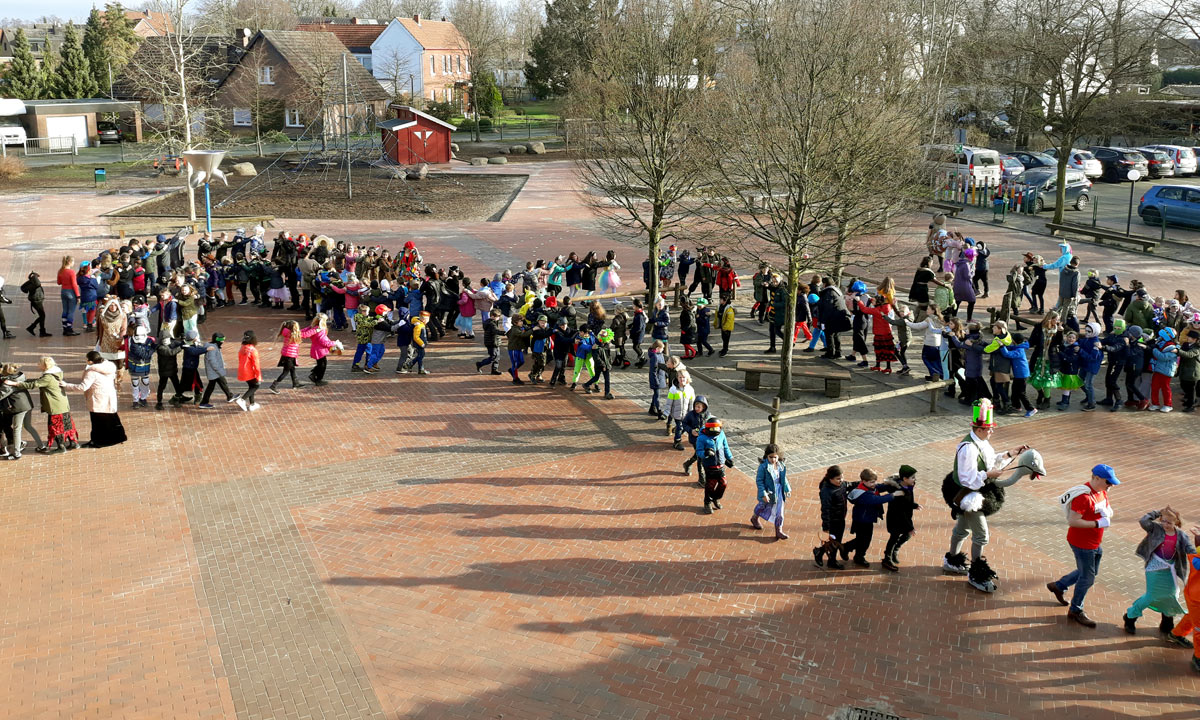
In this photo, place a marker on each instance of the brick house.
(291, 80)
(425, 58)
(149, 24)
(356, 34)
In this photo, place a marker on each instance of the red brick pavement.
(585, 586)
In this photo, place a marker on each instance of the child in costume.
(539, 344)
(1069, 369)
(1190, 623)
(584, 342)
(1090, 356)
(214, 371)
(563, 342)
(602, 358)
(490, 327)
(1014, 352)
(931, 347)
(637, 331)
(703, 325)
(679, 399)
(881, 331)
(726, 317)
(518, 343)
(712, 448)
(773, 491)
(289, 331)
(658, 378)
(1164, 552)
(138, 357)
(1189, 365)
(249, 371)
(854, 298)
(687, 329)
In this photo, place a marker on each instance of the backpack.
(1069, 497)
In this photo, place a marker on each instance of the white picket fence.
(62, 145)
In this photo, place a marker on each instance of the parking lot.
(1110, 202)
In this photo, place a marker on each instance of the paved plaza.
(450, 546)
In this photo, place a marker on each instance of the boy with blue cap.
(1088, 513)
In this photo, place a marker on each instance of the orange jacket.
(1191, 591)
(248, 367)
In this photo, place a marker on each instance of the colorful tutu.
(609, 281)
(1043, 378)
(1069, 382)
(280, 294)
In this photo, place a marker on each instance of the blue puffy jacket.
(662, 325)
(1016, 355)
(1164, 361)
(89, 289)
(1090, 356)
(868, 505)
(717, 444)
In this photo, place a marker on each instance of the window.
(433, 64)
(1171, 193)
(264, 75)
(241, 117)
(154, 112)
(433, 95)
(291, 118)
(446, 64)
(466, 68)
(459, 59)
(1192, 196)
(365, 60)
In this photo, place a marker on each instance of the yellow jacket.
(418, 327)
(727, 318)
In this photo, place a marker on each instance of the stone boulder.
(479, 161)
(503, 151)
(244, 169)
(417, 173)
(498, 160)
(536, 148)
(517, 150)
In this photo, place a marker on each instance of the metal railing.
(61, 145)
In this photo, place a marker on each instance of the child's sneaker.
(862, 562)
(241, 403)
(422, 371)
(273, 390)
(818, 553)
(1031, 412)
(206, 406)
(234, 398)
(255, 406)
(370, 370)
(889, 565)
(355, 368)
(1166, 408)
(864, 364)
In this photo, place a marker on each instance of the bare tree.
(808, 96)
(321, 8)
(481, 23)
(639, 148)
(1074, 57)
(387, 9)
(522, 19)
(398, 72)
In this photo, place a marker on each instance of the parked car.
(1161, 164)
(1081, 160)
(1179, 204)
(109, 132)
(981, 164)
(1117, 162)
(11, 131)
(1183, 157)
(1044, 181)
(1033, 160)
(1010, 167)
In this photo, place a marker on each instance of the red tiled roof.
(435, 34)
(156, 20)
(352, 36)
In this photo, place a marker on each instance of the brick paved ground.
(442, 547)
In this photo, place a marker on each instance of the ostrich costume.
(972, 497)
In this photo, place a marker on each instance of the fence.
(1001, 197)
(61, 145)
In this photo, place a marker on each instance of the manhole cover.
(865, 714)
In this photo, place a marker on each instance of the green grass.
(76, 172)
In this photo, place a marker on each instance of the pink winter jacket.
(321, 344)
(99, 386)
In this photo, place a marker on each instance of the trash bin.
(101, 176)
(999, 209)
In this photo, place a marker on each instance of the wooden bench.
(1101, 235)
(833, 377)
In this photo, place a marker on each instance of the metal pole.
(110, 83)
(207, 210)
(345, 128)
(1129, 216)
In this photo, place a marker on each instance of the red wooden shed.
(415, 137)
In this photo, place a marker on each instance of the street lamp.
(1133, 176)
(206, 166)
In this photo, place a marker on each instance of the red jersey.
(1089, 507)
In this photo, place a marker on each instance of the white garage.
(61, 127)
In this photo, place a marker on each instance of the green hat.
(543, 318)
(1118, 325)
(605, 335)
(702, 302)
(907, 471)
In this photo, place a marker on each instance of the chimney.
(243, 36)
(443, 18)
(417, 19)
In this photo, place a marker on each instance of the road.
(1111, 204)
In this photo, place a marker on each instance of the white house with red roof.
(427, 58)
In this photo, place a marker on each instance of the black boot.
(1130, 624)
(819, 556)
(1166, 625)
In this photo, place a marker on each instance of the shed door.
(66, 126)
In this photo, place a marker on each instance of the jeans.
(69, 302)
(492, 359)
(360, 352)
(1087, 566)
(1089, 391)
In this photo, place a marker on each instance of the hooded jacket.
(695, 419)
(50, 385)
(833, 508)
(1163, 360)
(99, 387)
(868, 504)
(1016, 356)
(679, 399)
(717, 444)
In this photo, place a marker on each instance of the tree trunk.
(1060, 188)
(839, 253)
(652, 288)
(789, 329)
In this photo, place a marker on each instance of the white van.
(1184, 157)
(11, 132)
(981, 164)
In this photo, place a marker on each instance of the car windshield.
(1085, 155)
(1187, 154)
(1043, 158)
(1033, 178)
(1010, 162)
(1133, 157)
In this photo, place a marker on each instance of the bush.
(467, 125)
(441, 110)
(12, 167)
(276, 136)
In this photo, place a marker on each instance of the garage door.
(66, 126)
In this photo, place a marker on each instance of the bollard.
(1162, 236)
(1095, 204)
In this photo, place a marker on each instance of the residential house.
(149, 24)
(291, 80)
(427, 58)
(356, 34)
(43, 38)
(150, 77)
(510, 78)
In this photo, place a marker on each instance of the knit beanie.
(907, 471)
